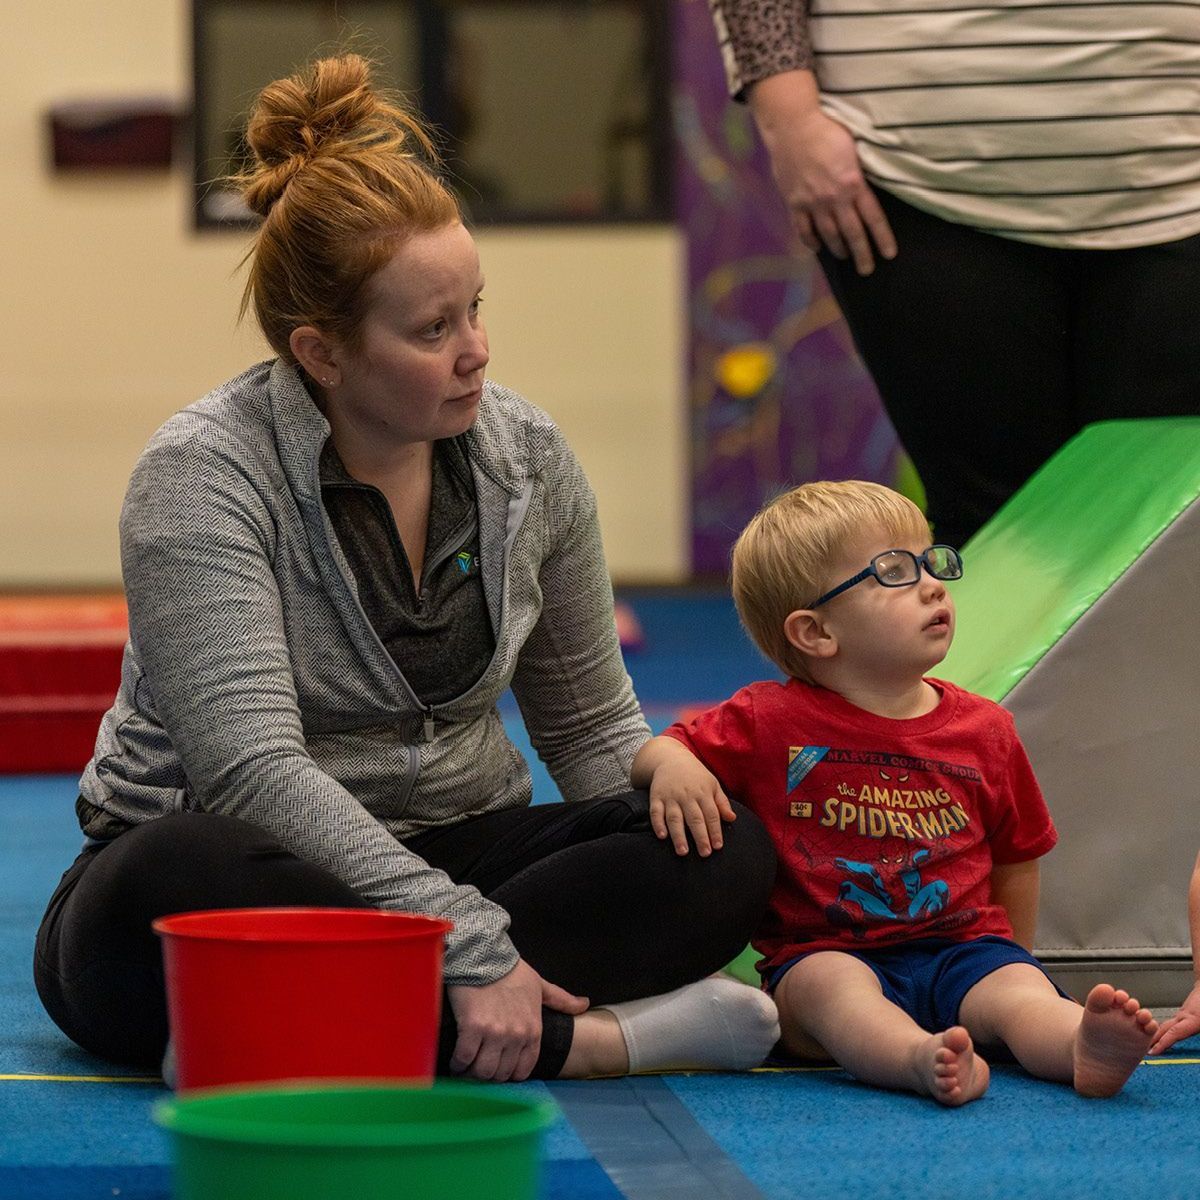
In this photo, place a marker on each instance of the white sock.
(717, 1024)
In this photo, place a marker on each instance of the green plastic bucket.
(457, 1141)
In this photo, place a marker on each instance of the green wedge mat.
(1062, 541)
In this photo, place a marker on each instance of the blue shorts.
(928, 978)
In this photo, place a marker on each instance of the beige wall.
(115, 314)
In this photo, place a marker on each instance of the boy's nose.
(931, 588)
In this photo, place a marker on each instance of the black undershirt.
(441, 636)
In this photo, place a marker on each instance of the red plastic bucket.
(258, 994)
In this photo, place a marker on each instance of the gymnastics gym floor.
(72, 1126)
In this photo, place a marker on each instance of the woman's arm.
(768, 60)
(1015, 887)
(575, 695)
(760, 38)
(198, 541)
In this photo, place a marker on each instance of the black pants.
(990, 353)
(598, 905)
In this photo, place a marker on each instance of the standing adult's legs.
(1137, 332)
(966, 337)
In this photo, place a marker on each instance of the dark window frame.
(656, 19)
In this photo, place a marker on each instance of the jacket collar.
(300, 430)
(497, 442)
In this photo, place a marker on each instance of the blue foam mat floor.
(814, 1133)
(776, 1134)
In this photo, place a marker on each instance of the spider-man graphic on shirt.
(886, 830)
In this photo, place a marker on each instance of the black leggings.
(598, 905)
(990, 353)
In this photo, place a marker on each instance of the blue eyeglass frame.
(919, 561)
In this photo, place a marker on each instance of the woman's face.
(418, 373)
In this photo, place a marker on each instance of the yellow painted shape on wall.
(745, 370)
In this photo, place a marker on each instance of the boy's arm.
(1020, 832)
(684, 795)
(1015, 887)
(1186, 1022)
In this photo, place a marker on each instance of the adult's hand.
(815, 165)
(500, 1024)
(1184, 1024)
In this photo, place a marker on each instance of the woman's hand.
(815, 165)
(500, 1024)
(1184, 1024)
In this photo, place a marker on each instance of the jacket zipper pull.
(428, 727)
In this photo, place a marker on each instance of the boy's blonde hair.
(782, 560)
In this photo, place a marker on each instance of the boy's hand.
(1184, 1024)
(685, 795)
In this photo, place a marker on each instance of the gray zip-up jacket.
(254, 685)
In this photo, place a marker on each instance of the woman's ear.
(316, 354)
(805, 630)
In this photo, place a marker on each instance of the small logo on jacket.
(465, 560)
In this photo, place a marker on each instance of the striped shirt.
(1067, 124)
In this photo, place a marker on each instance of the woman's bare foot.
(1113, 1037)
(949, 1069)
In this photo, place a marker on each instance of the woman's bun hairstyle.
(328, 111)
(341, 173)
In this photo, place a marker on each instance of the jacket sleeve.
(759, 38)
(209, 629)
(571, 684)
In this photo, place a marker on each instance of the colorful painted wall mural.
(777, 393)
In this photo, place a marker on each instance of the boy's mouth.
(940, 620)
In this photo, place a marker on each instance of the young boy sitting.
(904, 810)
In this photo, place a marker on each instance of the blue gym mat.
(73, 1127)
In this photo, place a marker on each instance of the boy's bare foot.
(1112, 1039)
(950, 1069)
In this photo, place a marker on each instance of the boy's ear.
(805, 630)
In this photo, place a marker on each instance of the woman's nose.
(475, 353)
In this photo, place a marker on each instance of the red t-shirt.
(886, 830)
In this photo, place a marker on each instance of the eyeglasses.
(902, 568)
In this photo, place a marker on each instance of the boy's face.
(897, 632)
